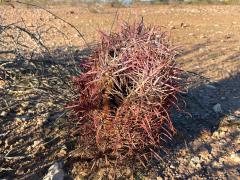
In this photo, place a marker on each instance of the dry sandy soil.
(34, 126)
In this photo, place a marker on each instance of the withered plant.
(125, 93)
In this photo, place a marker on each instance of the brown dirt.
(34, 132)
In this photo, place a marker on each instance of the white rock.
(216, 134)
(36, 143)
(217, 108)
(55, 172)
(237, 113)
(196, 160)
(3, 113)
(235, 157)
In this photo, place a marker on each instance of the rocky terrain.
(35, 126)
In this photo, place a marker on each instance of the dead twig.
(71, 25)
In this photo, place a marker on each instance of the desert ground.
(35, 128)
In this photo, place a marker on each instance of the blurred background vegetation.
(128, 2)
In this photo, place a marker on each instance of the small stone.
(222, 133)
(216, 134)
(198, 165)
(235, 157)
(233, 120)
(172, 167)
(183, 152)
(224, 129)
(202, 50)
(2, 83)
(237, 113)
(50, 103)
(55, 172)
(3, 113)
(29, 148)
(217, 108)
(36, 143)
(216, 164)
(20, 119)
(196, 144)
(228, 36)
(196, 160)
(183, 25)
(20, 112)
(223, 98)
(30, 111)
(62, 153)
(41, 120)
(25, 104)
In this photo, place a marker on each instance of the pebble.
(20, 119)
(2, 83)
(55, 172)
(235, 157)
(196, 160)
(36, 143)
(223, 98)
(25, 104)
(224, 129)
(233, 119)
(3, 114)
(217, 108)
(222, 133)
(202, 36)
(62, 153)
(237, 113)
(202, 50)
(41, 120)
(20, 112)
(216, 164)
(183, 25)
(183, 152)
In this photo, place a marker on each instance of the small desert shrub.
(124, 96)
